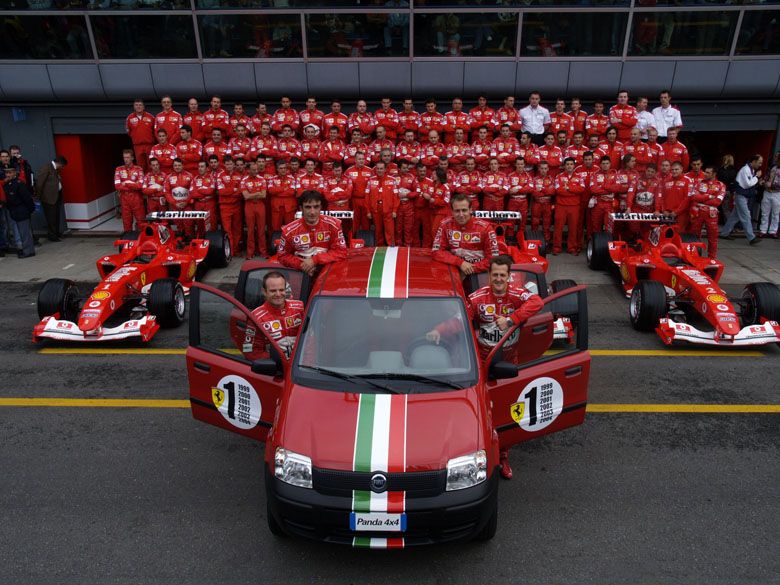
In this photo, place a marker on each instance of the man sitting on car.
(494, 309)
(464, 241)
(314, 239)
(279, 316)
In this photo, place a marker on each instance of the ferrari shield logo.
(517, 410)
(217, 396)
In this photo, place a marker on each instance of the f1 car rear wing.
(336, 214)
(168, 215)
(497, 215)
(649, 217)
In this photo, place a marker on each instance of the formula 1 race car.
(674, 290)
(142, 288)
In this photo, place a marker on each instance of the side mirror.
(265, 367)
(502, 371)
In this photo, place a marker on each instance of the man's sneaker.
(754, 241)
(503, 461)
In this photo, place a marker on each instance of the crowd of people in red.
(398, 169)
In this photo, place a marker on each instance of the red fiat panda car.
(374, 437)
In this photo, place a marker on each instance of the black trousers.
(52, 214)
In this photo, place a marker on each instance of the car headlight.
(292, 468)
(467, 471)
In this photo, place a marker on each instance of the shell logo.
(490, 309)
(716, 298)
(276, 325)
(101, 295)
(456, 236)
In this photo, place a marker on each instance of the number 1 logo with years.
(237, 401)
(538, 405)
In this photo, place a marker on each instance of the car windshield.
(356, 344)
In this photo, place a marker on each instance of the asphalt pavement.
(148, 495)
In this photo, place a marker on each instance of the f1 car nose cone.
(88, 323)
(729, 327)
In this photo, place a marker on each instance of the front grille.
(416, 484)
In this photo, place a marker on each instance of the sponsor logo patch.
(101, 295)
(717, 298)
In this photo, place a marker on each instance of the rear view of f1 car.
(674, 290)
(143, 287)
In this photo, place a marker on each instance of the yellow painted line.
(592, 408)
(594, 352)
(684, 408)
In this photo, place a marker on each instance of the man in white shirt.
(536, 118)
(746, 191)
(644, 119)
(666, 116)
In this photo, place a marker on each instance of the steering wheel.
(423, 340)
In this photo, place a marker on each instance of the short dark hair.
(273, 274)
(311, 195)
(186, 127)
(459, 197)
(61, 160)
(501, 260)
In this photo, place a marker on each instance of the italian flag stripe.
(380, 445)
(389, 274)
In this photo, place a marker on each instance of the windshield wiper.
(415, 378)
(355, 379)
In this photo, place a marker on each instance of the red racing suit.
(338, 193)
(494, 187)
(541, 207)
(409, 151)
(140, 129)
(231, 206)
(454, 120)
(359, 177)
(311, 117)
(484, 307)
(169, 121)
(164, 153)
(423, 214)
(474, 242)
(177, 193)
(481, 151)
(285, 116)
(704, 212)
(154, 191)
(191, 153)
(282, 193)
(554, 157)
(440, 204)
(404, 221)
(364, 122)
(203, 191)
(469, 183)
(505, 151)
(339, 120)
(216, 120)
(596, 125)
(520, 187)
(676, 198)
(254, 211)
(676, 152)
(561, 122)
(195, 121)
(128, 182)
(627, 117)
(603, 186)
(383, 202)
(266, 146)
(331, 151)
(323, 242)
(389, 120)
(281, 325)
(568, 190)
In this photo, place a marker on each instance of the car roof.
(392, 272)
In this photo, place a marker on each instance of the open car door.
(540, 392)
(235, 370)
(249, 288)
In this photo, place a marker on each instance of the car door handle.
(539, 329)
(202, 367)
(571, 372)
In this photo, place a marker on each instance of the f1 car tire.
(760, 299)
(220, 251)
(133, 235)
(537, 235)
(367, 236)
(58, 295)
(566, 306)
(597, 251)
(275, 237)
(691, 239)
(647, 305)
(166, 302)
(489, 530)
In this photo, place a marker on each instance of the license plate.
(377, 522)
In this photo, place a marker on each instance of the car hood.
(380, 432)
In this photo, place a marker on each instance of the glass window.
(358, 35)
(569, 34)
(682, 33)
(95, 5)
(44, 37)
(455, 34)
(258, 36)
(253, 4)
(521, 3)
(759, 33)
(144, 37)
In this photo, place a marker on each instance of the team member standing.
(560, 121)
(534, 118)
(639, 149)
(603, 187)
(311, 180)
(494, 187)
(464, 241)
(431, 121)
(338, 189)
(578, 115)
(383, 203)
(543, 192)
(314, 239)
(194, 119)
(48, 189)
(597, 123)
(409, 117)
(264, 144)
(432, 151)
(203, 191)
(140, 128)
(494, 310)
(407, 194)
(18, 201)
(623, 116)
(177, 194)
(189, 150)
(154, 187)
(359, 174)
(469, 182)
(644, 119)
(254, 189)
(215, 118)
(551, 153)
(164, 151)
(216, 146)
(169, 120)
(239, 117)
(331, 151)
(439, 198)
(336, 118)
(746, 190)
(676, 193)
(707, 197)
(481, 148)
(568, 190)
(456, 119)
(231, 203)
(481, 115)
(311, 116)
(285, 116)
(458, 150)
(279, 316)
(520, 187)
(281, 190)
(423, 213)
(666, 116)
(770, 204)
(362, 120)
(310, 144)
(128, 182)
(675, 151)
(240, 146)
(388, 118)
(505, 148)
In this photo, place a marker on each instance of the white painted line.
(68, 266)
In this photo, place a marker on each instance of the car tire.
(489, 530)
(275, 237)
(567, 305)
(648, 304)
(273, 525)
(369, 241)
(597, 251)
(166, 302)
(220, 251)
(760, 299)
(132, 235)
(537, 235)
(58, 295)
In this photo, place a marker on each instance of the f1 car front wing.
(53, 328)
(670, 331)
